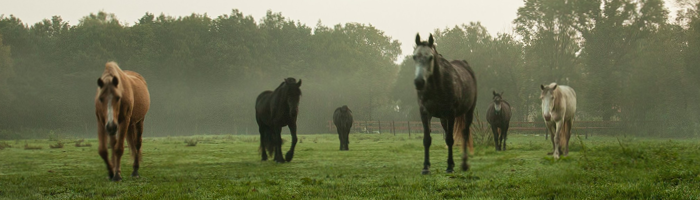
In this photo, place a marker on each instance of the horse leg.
(102, 140)
(347, 138)
(277, 143)
(138, 140)
(557, 139)
(569, 126)
(496, 138)
(263, 141)
(448, 126)
(551, 130)
(425, 118)
(469, 117)
(340, 137)
(130, 136)
(293, 131)
(119, 150)
(113, 145)
(504, 137)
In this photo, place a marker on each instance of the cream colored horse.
(558, 109)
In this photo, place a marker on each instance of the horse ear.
(417, 39)
(100, 82)
(555, 87)
(115, 81)
(501, 93)
(542, 87)
(299, 83)
(494, 93)
(430, 40)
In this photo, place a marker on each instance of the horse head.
(548, 99)
(345, 109)
(109, 93)
(497, 98)
(425, 56)
(293, 94)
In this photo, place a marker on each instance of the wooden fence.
(417, 127)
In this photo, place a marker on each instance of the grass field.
(376, 167)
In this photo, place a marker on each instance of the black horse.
(446, 90)
(498, 115)
(342, 118)
(274, 110)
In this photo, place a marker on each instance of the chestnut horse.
(498, 116)
(121, 104)
(558, 109)
(342, 118)
(446, 90)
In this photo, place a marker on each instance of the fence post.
(393, 128)
(409, 128)
(380, 126)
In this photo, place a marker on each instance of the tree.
(611, 30)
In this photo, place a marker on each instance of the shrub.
(29, 147)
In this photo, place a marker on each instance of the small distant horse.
(558, 109)
(274, 110)
(121, 104)
(342, 118)
(498, 115)
(446, 90)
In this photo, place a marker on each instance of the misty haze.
(634, 65)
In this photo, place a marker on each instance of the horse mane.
(135, 75)
(112, 69)
(557, 97)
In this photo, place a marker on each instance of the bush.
(29, 147)
(58, 145)
(4, 145)
(79, 143)
(191, 142)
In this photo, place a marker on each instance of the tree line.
(626, 60)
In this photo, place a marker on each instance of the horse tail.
(457, 131)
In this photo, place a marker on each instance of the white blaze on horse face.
(497, 107)
(423, 58)
(110, 113)
(547, 102)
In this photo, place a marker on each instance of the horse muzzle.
(111, 128)
(547, 117)
(420, 83)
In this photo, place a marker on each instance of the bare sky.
(400, 20)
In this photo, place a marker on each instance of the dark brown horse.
(342, 118)
(446, 90)
(498, 115)
(274, 110)
(121, 104)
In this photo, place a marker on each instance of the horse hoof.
(280, 161)
(449, 171)
(117, 178)
(465, 167)
(425, 172)
(289, 156)
(135, 175)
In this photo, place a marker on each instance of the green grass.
(376, 167)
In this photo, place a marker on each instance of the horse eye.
(414, 57)
(117, 98)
